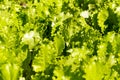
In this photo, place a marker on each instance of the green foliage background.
(52, 40)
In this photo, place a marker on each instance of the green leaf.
(102, 17)
(59, 43)
(9, 71)
(44, 58)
